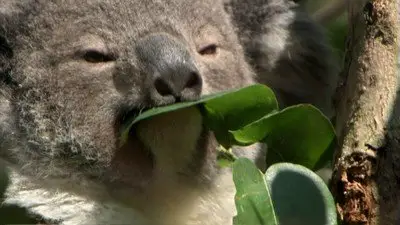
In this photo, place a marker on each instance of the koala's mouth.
(172, 136)
(133, 162)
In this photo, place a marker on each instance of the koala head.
(74, 71)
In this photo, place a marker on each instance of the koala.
(288, 51)
(73, 72)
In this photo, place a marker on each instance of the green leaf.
(222, 111)
(299, 134)
(287, 194)
(299, 196)
(235, 110)
(252, 199)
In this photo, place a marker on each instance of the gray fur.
(60, 115)
(288, 50)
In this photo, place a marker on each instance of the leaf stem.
(225, 157)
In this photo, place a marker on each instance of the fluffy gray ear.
(10, 14)
(8, 10)
(288, 50)
(5, 94)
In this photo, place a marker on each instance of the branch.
(367, 167)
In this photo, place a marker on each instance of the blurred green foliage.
(337, 33)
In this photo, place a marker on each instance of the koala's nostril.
(162, 87)
(178, 84)
(172, 69)
(193, 81)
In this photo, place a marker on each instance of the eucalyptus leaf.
(222, 111)
(299, 134)
(299, 196)
(235, 110)
(253, 200)
(288, 194)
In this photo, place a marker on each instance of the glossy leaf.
(288, 194)
(253, 200)
(299, 134)
(235, 110)
(222, 111)
(299, 196)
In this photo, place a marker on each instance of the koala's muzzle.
(170, 68)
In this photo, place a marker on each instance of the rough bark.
(366, 178)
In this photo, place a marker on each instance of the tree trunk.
(366, 178)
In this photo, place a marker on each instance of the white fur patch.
(166, 200)
(213, 207)
(275, 41)
(66, 207)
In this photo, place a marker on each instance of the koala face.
(82, 68)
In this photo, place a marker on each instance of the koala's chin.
(182, 154)
(173, 145)
(172, 138)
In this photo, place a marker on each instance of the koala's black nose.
(172, 73)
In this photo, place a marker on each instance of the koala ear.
(9, 14)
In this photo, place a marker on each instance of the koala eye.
(94, 56)
(210, 49)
